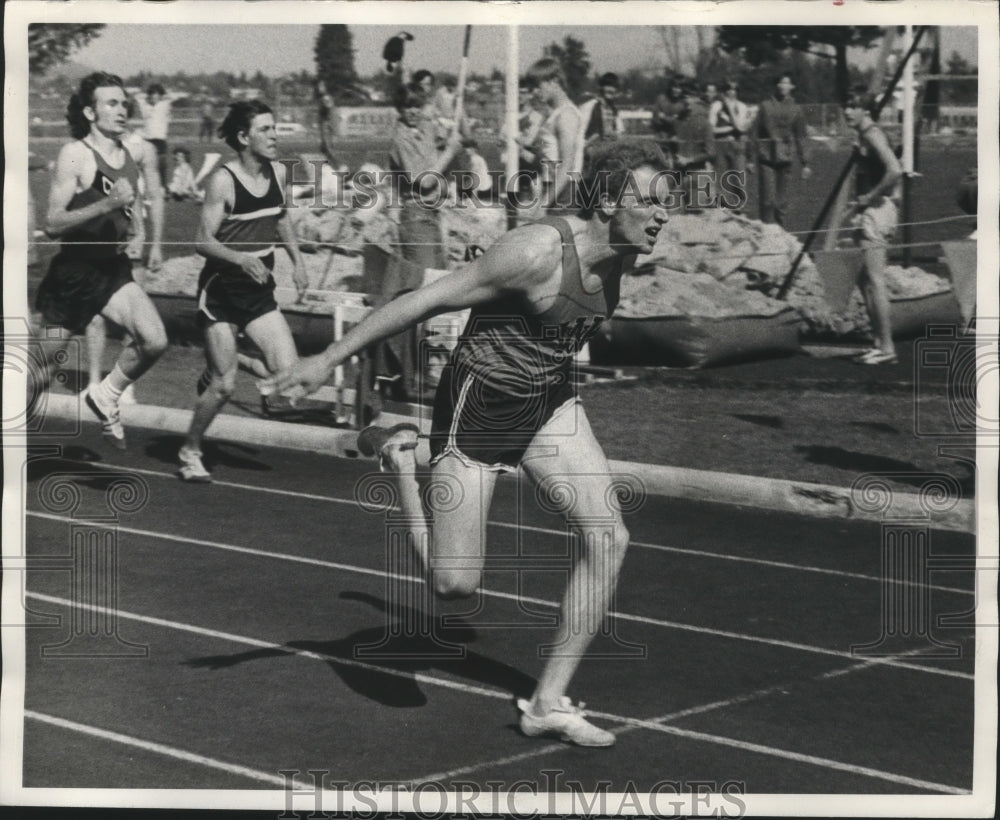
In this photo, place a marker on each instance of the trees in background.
(771, 44)
(334, 53)
(572, 55)
(51, 43)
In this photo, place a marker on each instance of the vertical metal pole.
(908, 101)
(510, 118)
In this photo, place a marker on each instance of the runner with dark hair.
(244, 213)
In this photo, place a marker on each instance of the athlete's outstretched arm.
(517, 262)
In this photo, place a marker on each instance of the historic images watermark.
(318, 793)
(367, 189)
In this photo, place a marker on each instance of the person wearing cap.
(730, 120)
(780, 128)
(603, 111)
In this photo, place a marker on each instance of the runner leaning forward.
(244, 213)
(507, 399)
(90, 210)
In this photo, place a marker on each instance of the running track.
(253, 593)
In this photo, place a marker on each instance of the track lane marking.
(653, 725)
(704, 708)
(157, 748)
(659, 622)
(549, 531)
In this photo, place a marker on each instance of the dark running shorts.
(75, 290)
(491, 428)
(228, 294)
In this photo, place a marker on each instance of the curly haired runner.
(91, 211)
(507, 399)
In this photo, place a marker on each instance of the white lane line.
(477, 690)
(719, 556)
(737, 700)
(158, 748)
(288, 650)
(798, 757)
(623, 616)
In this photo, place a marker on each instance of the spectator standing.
(155, 112)
(780, 128)
(602, 121)
(417, 167)
(560, 135)
(327, 117)
(693, 151)
(730, 120)
(876, 179)
(206, 131)
(667, 110)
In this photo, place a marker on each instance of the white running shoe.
(566, 722)
(192, 470)
(110, 415)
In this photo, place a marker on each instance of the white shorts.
(876, 224)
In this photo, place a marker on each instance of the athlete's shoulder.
(280, 171)
(76, 150)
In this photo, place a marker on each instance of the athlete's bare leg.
(272, 335)
(96, 334)
(569, 466)
(131, 308)
(451, 540)
(876, 293)
(220, 357)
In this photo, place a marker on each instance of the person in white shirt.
(730, 120)
(155, 112)
(182, 182)
(560, 134)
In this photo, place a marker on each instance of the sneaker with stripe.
(564, 721)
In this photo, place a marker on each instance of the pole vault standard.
(510, 118)
(848, 166)
(463, 71)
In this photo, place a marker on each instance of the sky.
(281, 49)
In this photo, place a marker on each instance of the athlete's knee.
(602, 537)
(451, 584)
(222, 385)
(152, 340)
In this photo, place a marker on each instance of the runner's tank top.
(252, 226)
(871, 168)
(103, 236)
(509, 345)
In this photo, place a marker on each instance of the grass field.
(942, 165)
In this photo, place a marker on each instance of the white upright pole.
(511, 109)
(908, 102)
(908, 135)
